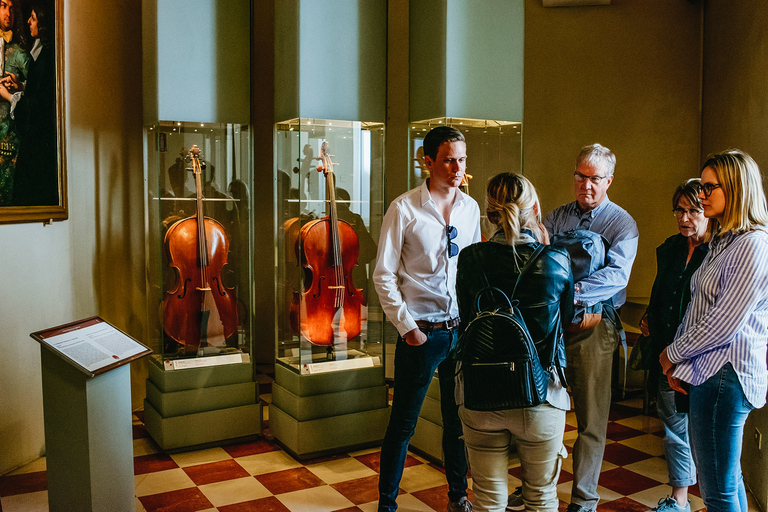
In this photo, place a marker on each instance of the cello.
(329, 303)
(199, 311)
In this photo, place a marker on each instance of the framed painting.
(33, 164)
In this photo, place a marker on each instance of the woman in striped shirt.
(720, 348)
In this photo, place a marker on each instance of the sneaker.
(515, 500)
(577, 508)
(463, 505)
(670, 505)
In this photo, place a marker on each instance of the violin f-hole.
(319, 287)
(184, 288)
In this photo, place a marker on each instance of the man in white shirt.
(415, 277)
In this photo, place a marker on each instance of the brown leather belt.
(432, 326)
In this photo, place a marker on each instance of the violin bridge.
(206, 289)
(335, 287)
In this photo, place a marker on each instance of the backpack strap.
(528, 264)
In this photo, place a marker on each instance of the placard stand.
(88, 425)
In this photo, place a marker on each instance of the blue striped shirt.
(616, 226)
(727, 319)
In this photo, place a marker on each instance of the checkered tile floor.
(259, 476)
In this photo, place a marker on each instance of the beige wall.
(624, 75)
(92, 263)
(735, 115)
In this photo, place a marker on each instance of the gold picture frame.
(32, 196)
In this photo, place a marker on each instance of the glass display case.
(199, 238)
(200, 384)
(329, 198)
(493, 146)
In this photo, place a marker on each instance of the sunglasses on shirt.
(451, 232)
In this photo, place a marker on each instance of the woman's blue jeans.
(680, 466)
(719, 410)
(414, 368)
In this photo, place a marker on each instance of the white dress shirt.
(415, 278)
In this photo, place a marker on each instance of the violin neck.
(202, 243)
(333, 216)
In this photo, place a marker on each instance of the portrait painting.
(32, 157)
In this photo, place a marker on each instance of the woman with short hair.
(676, 260)
(720, 349)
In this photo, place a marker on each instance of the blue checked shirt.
(616, 226)
(727, 319)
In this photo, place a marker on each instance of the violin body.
(325, 283)
(329, 305)
(182, 312)
(199, 311)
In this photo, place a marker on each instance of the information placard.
(92, 345)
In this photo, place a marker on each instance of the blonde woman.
(545, 293)
(720, 349)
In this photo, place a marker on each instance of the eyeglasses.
(679, 212)
(707, 188)
(451, 232)
(594, 179)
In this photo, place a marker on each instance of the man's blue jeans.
(414, 368)
(719, 410)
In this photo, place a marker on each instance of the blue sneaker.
(670, 505)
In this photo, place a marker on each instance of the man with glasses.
(589, 352)
(415, 278)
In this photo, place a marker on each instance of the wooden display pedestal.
(316, 415)
(199, 406)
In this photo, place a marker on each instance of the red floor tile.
(620, 412)
(437, 497)
(564, 477)
(361, 490)
(215, 472)
(694, 489)
(140, 432)
(619, 432)
(350, 509)
(621, 455)
(373, 461)
(625, 482)
(289, 480)
(259, 446)
(154, 462)
(183, 500)
(11, 485)
(270, 504)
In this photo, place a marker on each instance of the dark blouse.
(671, 292)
